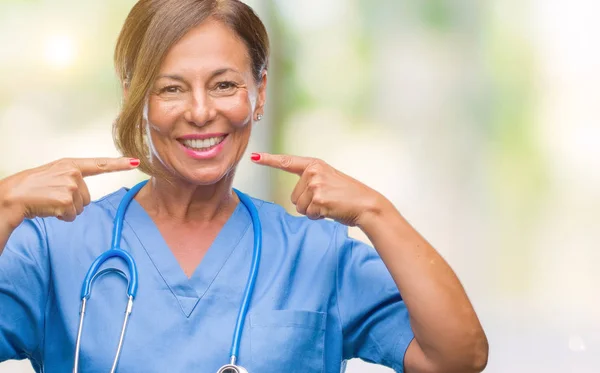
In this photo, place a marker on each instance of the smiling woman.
(194, 78)
(205, 78)
(171, 53)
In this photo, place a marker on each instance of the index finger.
(290, 163)
(97, 166)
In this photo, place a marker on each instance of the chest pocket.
(288, 341)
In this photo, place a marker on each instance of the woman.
(194, 75)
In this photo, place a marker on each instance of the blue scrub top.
(320, 298)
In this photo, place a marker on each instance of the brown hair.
(150, 30)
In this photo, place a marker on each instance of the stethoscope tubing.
(250, 283)
(116, 252)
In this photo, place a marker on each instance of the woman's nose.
(200, 110)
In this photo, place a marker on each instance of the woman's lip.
(207, 154)
(201, 136)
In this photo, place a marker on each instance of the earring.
(259, 117)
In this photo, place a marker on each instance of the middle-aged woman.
(194, 76)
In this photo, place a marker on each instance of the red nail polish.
(255, 157)
(134, 162)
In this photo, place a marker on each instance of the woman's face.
(200, 110)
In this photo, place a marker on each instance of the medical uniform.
(320, 298)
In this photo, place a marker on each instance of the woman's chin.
(205, 178)
(207, 174)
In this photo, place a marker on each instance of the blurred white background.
(479, 120)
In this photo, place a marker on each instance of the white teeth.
(203, 144)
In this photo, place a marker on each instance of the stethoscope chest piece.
(229, 368)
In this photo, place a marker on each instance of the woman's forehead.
(211, 45)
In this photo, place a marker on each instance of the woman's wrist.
(10, 216)
(377, 210)
(9, 221)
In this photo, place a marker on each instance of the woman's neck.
(184, 202)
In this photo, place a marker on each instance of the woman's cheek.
(161, 113)
(237, 109)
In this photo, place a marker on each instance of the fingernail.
(134, 162)
(255, 157)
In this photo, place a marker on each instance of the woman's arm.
(9, 221)
(5, 230)
(448, 335)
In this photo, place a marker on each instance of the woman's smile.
(203, 146)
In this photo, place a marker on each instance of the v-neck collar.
(188, 291)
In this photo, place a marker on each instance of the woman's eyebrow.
(223, 71)
(212, 76)
(171, 76)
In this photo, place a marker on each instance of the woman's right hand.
(55, 189)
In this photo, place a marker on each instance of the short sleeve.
(24, 273)
(375, 321)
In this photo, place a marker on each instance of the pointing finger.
(96, 166)
(299, 188)
(84, 191)
(290, 163)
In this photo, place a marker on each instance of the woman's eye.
(224, 86)
(170, 89)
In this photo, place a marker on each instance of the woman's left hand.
(324, 192)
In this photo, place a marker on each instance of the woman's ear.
(262, 95)
(125, 90)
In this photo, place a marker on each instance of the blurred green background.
(479, 120)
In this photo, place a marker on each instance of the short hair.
(150, 30)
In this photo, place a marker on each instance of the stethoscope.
(132, 282)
